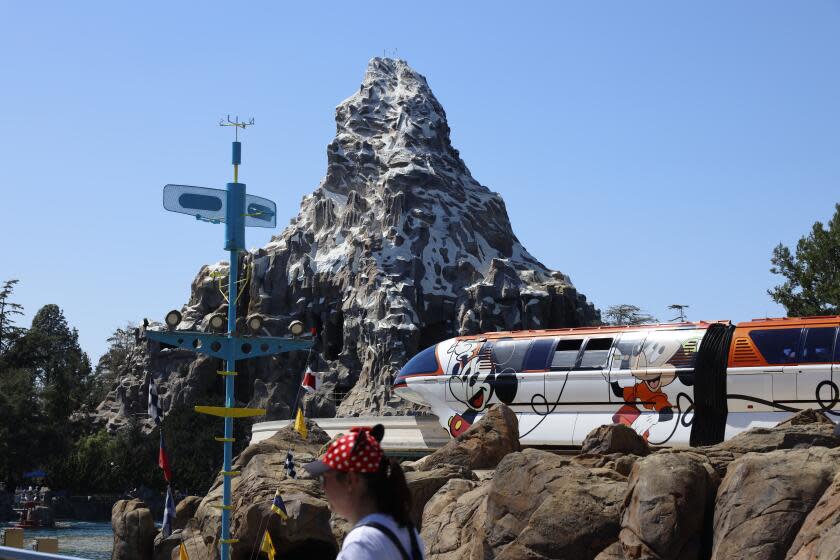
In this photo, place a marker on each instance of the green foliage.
(21, 424)
(8, 309)
(812, 285)
(626, 314)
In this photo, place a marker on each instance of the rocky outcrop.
(723, 501)
(542, 506)
(819, 536)
(134, 530)
(666, 513)
(399, 247)
(308, 527)
(764, 499)
(453, 519)
(424, 484)
(482, 446)
(615, 438)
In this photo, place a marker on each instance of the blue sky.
(654, 151)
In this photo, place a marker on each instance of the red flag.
(310, 381)
(163, 460)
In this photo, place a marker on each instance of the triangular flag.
(289, 464)
(154, 405)
(168, 513)
(268, 546)
(182, 553)
(163, 460)
(300, 424)
(278, 507)
(311, 382)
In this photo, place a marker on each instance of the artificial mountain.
(398, 248)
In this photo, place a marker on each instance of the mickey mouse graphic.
(474, 382)
(650, 366)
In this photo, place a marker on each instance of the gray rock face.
(764, 499)
(134, 531)
(482, 446)
(614, 438)
(819, 536)
(541, 506)
(261, 465)
(399, 247)
(666, 512)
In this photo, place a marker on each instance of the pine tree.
(812, 285)
(8, 309)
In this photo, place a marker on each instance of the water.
(84, 539)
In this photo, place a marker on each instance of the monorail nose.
(423, 364)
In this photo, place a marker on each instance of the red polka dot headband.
(359, 451)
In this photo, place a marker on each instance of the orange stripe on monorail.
(604, 329)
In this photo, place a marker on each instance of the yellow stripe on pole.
(226, 412)
(229, 541)
(224, 439)
(231, 473)
(226, 372)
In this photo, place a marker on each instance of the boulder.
(615, 438)
(668, 506)
(184, 511)
(424, 484)
(165, 548)
(807, 416)
(764, 440)
(764, 499)
(306, 532)
(542, 506)
(454, 519)
(612, 552)
(819, 536)
(482, 446)
(134, 530)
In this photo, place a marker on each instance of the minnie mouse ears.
(378, 432)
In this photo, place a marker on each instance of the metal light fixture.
(296, 328)
(217, 322)
(255, 323)
(173, 318)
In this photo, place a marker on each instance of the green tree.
(626, 314)
(812, 273)
(8, 309)
(20, 425)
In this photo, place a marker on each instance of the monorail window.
(673, 347)
(508, 354)
(424, 362)
(819, 344)
(566, 353)
(596, 353)
(538, 356)
(778, 346)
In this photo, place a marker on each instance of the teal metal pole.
(234, 242)
(231, 366)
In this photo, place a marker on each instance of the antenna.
(237, 146)
(236, 124)
(681, 309)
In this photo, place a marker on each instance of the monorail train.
(675, 383)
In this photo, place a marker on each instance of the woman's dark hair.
(388, 486)
(390, 491)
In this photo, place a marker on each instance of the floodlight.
(255, 323)
(296, 328)
(173, 318)
(217, 321)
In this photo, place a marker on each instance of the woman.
(368, 490)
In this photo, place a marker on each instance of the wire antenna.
(681, 310)
(236, 124)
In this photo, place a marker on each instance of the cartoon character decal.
(474, 382)
(654, 366)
